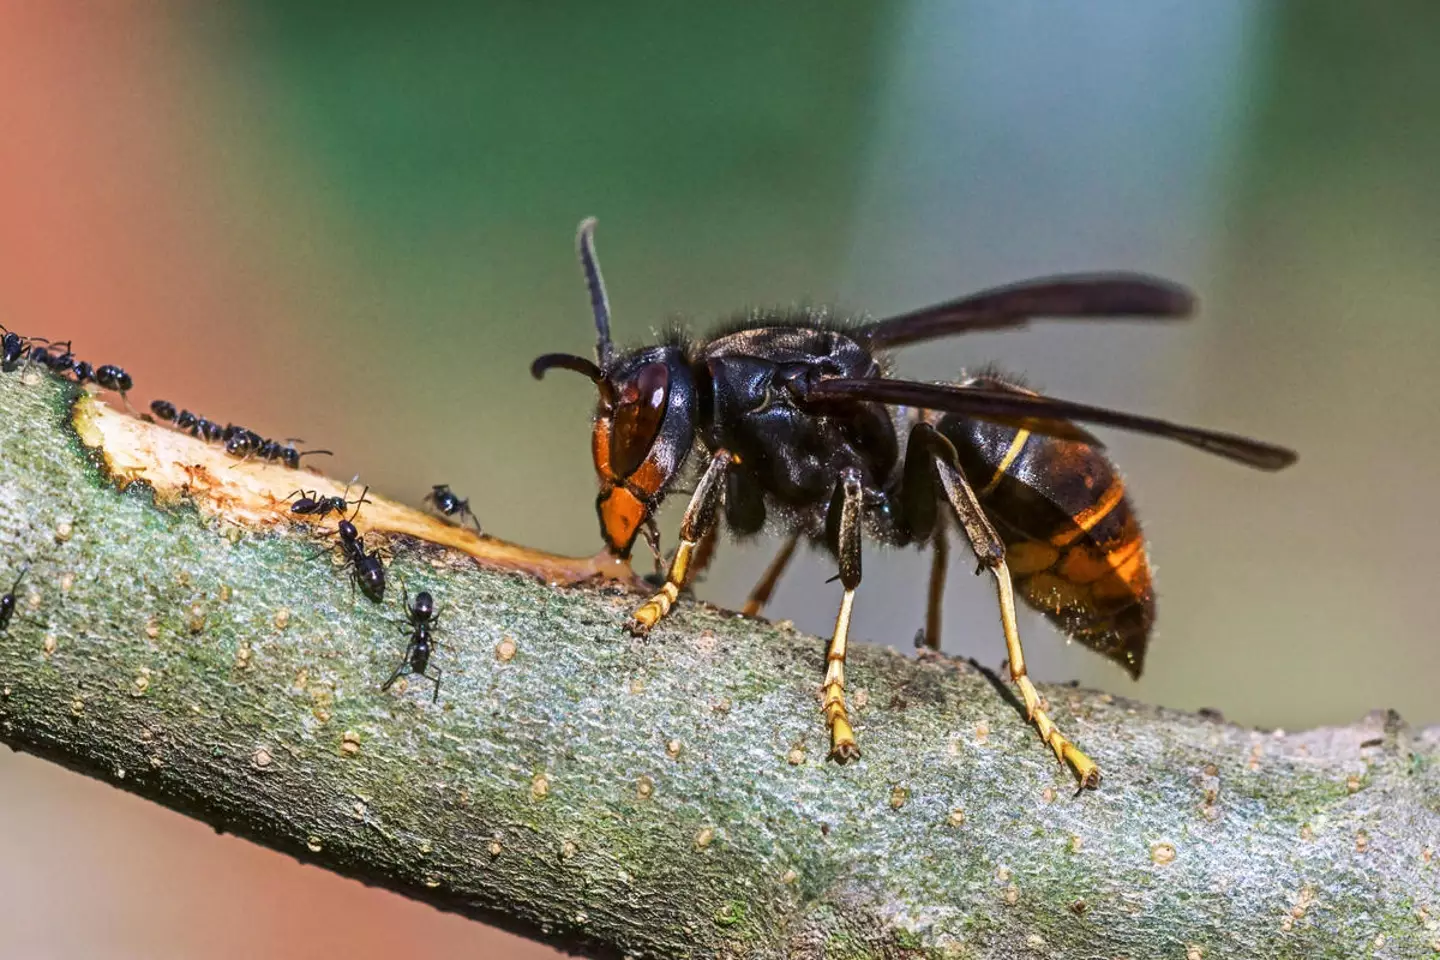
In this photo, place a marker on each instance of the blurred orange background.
(354, 223)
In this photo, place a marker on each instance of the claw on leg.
(652, 611)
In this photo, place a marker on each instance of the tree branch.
(666, 797)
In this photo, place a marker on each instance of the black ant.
(63, 363)
(245, 444)
(7, 602)
(311, 504)
(273, 451)
(240, 442)
(191, 423)
(12, 348)
(34, 349)
(50, 355)
(54, 356)
(419, 619)
(367, 570)
(113, 378)
(445, 500)
(291, 457)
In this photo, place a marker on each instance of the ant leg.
(358, 503)
(760, 594)
(303, 494)
(465, 511)
(327, 549)
(436, 680)
(30, 355)
(400, 671)
(990, 550)
(699, 518)
(935, 599)
(844, 532)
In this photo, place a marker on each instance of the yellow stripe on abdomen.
(1087, 519)
(1016, 445)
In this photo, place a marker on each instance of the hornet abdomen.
(1073, 542)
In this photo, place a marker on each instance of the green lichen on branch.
(669, 797)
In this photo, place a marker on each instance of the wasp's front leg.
(699, 518)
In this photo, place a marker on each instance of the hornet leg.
(990, 551)
(849, 499)
(760, 595)
(699, 518)
(939, 562)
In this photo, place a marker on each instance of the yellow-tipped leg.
(652, 611)
(698, 520)
(842, 736)
(848, 501)
(1066, 752)
(990, 551)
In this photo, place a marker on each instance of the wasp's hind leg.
(699, 519)
(760, 595)
(990, 551)
(844, 536)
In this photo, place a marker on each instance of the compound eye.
(639, 408)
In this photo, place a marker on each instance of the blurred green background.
(354, 222)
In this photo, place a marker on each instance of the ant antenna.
(16, 585)
(599, 303)
(358, 502)
(347, 491)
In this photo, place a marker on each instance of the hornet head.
(644, 419)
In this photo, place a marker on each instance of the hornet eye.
(639, 409)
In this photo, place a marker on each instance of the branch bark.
(667, 797)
